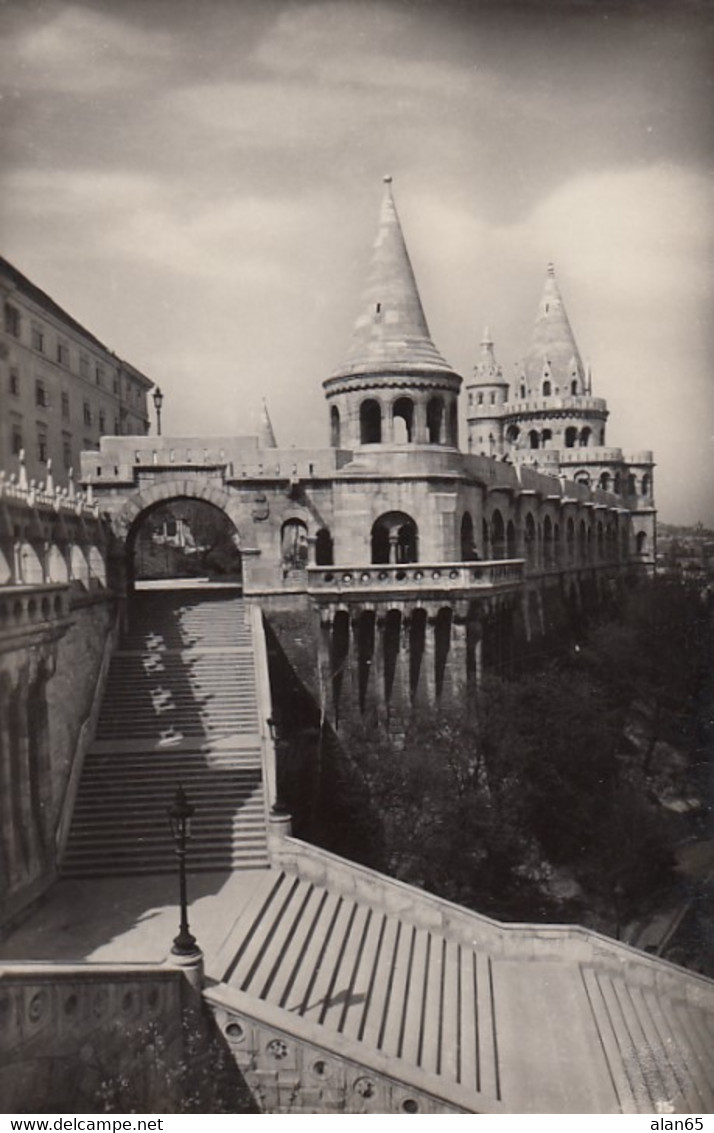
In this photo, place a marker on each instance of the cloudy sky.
(198, 181)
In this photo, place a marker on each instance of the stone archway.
(127, 521)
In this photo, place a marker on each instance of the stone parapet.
(409, 580)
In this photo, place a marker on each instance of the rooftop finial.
(387, 178)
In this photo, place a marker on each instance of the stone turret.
(487, 395)
(394, 387)
(551, 406)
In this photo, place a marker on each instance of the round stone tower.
(487, 395)
(394, 389)
(551, 406)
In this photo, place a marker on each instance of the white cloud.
(79, 51)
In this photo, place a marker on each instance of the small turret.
(487, 394)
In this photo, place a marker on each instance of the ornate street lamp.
(158, 402)
(180, 814)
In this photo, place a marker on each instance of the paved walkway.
(129, 919)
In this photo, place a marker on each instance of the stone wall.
(105, 1038)
(52, 671)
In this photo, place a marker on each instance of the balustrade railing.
(22, 607)
(416, 576)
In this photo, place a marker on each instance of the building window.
(65, 403)
(14, 382)
(115, 384)
(87, 413)
(12, 320)
(40, 393)
(63, 354)
(102, 422)
(16, 440)
(83, 366)
(38, 338)
(116, 427)
(480, 399)
(67, 451)
(99, 375)
(42, 446)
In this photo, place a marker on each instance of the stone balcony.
(414, 580)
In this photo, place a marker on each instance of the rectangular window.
(83, 366)
(102, 422)
(66, 450)
(65, 404)
(12, 320)
(116, 427)
(40, 393)
(99, 375)
(42, 446)
(87, 413)
(63, 354)
(38, 338)
(14, 382)
(16, 440)
(115, 384)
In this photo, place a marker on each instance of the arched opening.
(546, 437)
(31, 572)
(585, 434)
(403, 420)
(435, 421)
(616, 483)
(512, 434)
(574, 387)
(547, 541)
(293, 545)
(546, 388)
(335, 430)
(79, 570)
(57, 570)
(395, 539)
(534, 439)
(183, 539)
(570, 539)
(582, 477)
(641, 542)
(523, 393)
(370, 422)
(324, 550)
(631, 484)
(605, 481)
(498, 536)
(530, 541)
(97, 567)
(511, 548)
(571, 436)
(645, 485)
(468, 551)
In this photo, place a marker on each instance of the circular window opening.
(235, 1032)
(410, 1106)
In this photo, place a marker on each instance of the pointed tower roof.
(266, 435)
(391, 334)
(487, 370)
(553, 347)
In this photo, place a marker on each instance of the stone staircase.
(180, 706)
(461, 1014)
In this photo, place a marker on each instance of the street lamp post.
(180, 814)
(158, 402)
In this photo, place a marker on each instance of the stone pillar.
(427, 675)
(393, 544)
(457, 664)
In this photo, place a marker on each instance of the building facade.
(549, 419)
(61, 389)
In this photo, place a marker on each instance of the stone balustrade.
(408, 578)
(27, 607)
(68, 501)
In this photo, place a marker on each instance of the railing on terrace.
(416, 576)
(22, 607)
